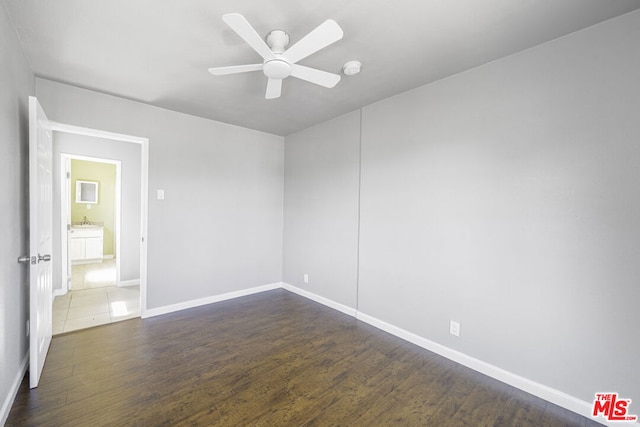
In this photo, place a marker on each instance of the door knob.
(44, 258)
(24, 259)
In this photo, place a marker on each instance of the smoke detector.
(351, 68)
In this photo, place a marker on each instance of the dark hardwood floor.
(270, 359)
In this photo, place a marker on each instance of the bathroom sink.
(86, 226)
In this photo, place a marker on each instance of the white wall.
(16, 83)
(219, 229)
(505, 198)
(321, 208)
(130, 156)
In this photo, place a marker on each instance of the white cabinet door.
(93, 248)
(86, 245)
(76, 249)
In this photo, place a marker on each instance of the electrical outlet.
(454, 328)
(27, 327)
(306, 278)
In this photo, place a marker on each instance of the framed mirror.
(86, 191)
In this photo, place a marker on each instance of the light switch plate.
(160, 194)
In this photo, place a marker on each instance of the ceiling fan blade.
(242, 27)
(274, 87)
(313, 75)
(322, 36)
(234, 69)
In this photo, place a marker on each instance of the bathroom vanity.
(85, 244)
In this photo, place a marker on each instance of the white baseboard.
(542, 391)
(13, 391)
(108, 257)
(124, 283)
(59, 292)
(151, 312)
(87, 261)
(322, 300)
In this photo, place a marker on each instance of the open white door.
(40, 245)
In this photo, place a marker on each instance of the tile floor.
(94, 299)
(97, 275)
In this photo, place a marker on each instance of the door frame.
(65, 214)
(144, 193)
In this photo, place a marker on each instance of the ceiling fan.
(279, 63)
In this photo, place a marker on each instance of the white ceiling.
(158, 51)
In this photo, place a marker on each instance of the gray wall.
(130, 156)
(321, 208)
(505, 198)
(16, 83)
(220, 227)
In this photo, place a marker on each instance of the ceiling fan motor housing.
(278, 40)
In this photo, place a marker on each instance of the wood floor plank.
(270, 359)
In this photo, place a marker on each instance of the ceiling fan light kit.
(280, 62)
(276, 69)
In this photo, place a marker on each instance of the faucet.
(84, 221)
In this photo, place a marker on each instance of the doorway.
(102, 274)
(91, 213)
(92, 224)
